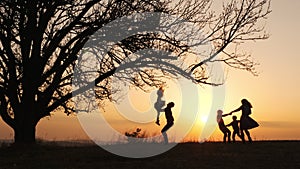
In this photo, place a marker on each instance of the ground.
(211, 155)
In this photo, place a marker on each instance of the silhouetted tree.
(40, 42)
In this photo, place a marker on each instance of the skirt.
(248, 123)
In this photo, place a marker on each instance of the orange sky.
(274, 94)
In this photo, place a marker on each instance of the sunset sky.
(274, 94)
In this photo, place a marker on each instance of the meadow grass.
(210, 155)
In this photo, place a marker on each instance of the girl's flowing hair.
(245, 102)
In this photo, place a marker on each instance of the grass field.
(210, 155)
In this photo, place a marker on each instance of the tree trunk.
(25, 133)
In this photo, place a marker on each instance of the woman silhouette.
(246, 122)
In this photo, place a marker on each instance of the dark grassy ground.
(212, 155)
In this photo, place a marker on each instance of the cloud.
(280, 124)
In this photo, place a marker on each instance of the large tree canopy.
(40, 42)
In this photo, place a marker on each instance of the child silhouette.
(159, 104)
(235, 127)
(222, 126)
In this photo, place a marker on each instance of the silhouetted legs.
(227, 134)
(248, 135)
(236, 133)
(164, 130)
(166, 140)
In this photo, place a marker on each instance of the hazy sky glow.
(274, 94)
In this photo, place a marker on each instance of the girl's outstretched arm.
(236, 110)
(224, 115)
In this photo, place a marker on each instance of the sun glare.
(203, 119)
